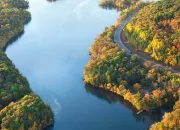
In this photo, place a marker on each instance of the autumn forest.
(140, 64)
(154, 30)
(20, 108)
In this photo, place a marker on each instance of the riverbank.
(110, 68)
(17, 101)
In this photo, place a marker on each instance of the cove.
(52, 54)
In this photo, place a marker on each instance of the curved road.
(118, 40)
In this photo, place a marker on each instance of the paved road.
(118, 31)
(118, 40)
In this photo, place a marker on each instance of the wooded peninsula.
(154, 30)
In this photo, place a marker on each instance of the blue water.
(52, 54)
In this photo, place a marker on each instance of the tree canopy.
(12, 19)
(171, 120)
(156, 31)
(112, 69)
(118, 4)
(20, 108)
(29, 113)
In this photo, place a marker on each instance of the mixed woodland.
(156, 31)
(145, 87)
(20, 108)
(12, 19)
(118, 4)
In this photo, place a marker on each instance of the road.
(118, 40)
(117, 33)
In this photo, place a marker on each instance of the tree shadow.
(12, 40)
(147, 118)
(52, 0)
(16, 37)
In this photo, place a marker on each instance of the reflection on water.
(13, 40)
(144, 117)
(108, 96)
(51, 0)
(52, 54)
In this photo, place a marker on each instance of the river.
(52, 54)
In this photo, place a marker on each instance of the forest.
(13, 86)
(12, 19)
(112, 69)
(29, 113)
(20, 108)
(145, 87)
(118, 4)
(127, 11)
(156, 31)
(170, 120)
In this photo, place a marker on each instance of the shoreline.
(24, 96)
(103, 71)
(15, 37)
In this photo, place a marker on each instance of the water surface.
(52, 54)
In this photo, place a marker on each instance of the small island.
(20, 108)
(148, 86)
